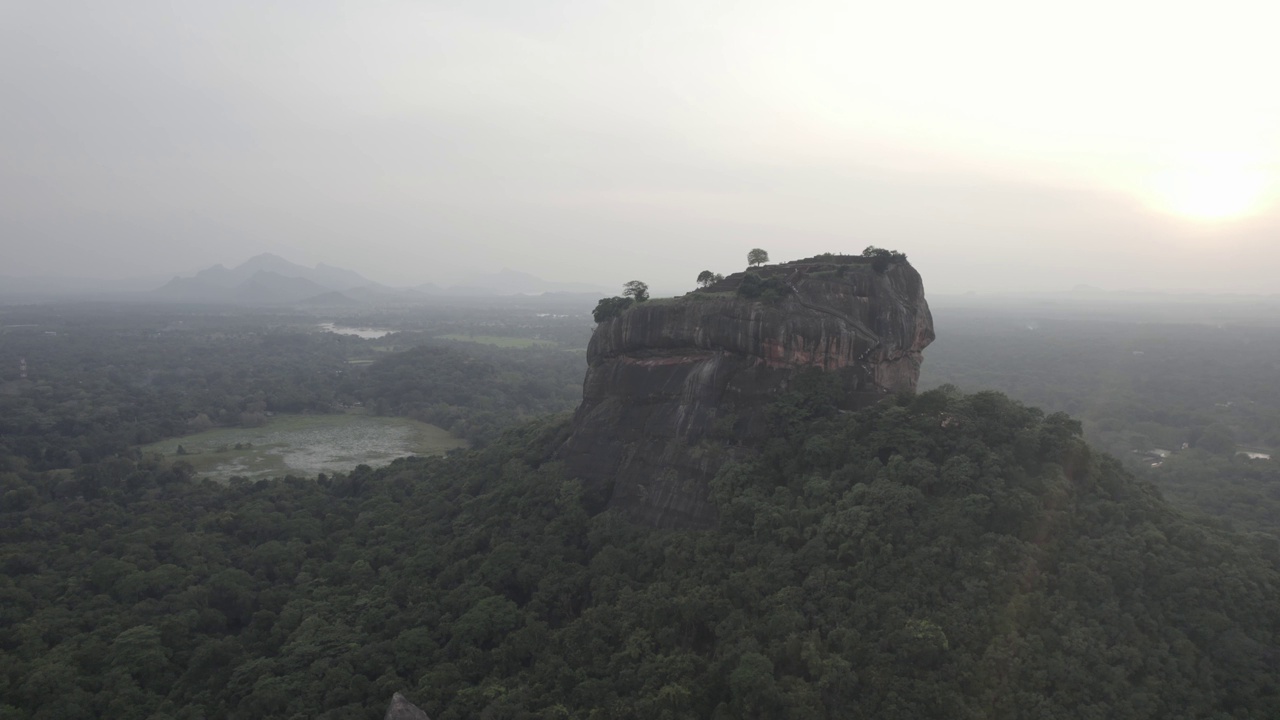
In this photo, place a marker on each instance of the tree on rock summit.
(636, 289)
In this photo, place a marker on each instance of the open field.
(306, 445)
(500, 341)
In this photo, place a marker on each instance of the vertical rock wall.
(676, 387)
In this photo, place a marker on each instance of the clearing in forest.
(499, 340)
(306, 445)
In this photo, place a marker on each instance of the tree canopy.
(754, 287)
(757, 257)
(881, 258)
(706, 278)
(636, 290)
(937, 555)
(610, 307)
(941, 555)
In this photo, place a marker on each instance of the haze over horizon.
(1002, 146)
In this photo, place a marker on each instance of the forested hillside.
(1178, 398)
(944, 556)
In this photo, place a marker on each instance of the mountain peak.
(274, 279)
(265, 261)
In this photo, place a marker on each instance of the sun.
(1212, 188)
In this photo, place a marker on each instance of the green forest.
(947, 554)
(102, 381)
(944, 555)
(1178, 394)
(572, 360)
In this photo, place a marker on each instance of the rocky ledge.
(675, 387)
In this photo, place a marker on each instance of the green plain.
(306, 445)
(507, 342)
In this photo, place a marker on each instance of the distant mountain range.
(265, 280)
(271, 280)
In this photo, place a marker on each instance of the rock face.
(402, 709)
(674, 388)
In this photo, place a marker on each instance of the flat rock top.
(876, 316)
(676, 387)
(402, 709)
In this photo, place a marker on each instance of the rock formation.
(402, 709)
(675, 387)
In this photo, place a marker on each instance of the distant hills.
(265, 280)
(269, 279)
(325, 276)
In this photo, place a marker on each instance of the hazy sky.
(1001, 145)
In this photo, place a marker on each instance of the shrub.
(754, 287)
(881, 258)
(610, 307)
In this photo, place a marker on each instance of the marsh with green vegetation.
(306, 445)
(498, 340)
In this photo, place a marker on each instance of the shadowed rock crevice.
(676, 387)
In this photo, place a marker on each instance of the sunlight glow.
(1213, 188)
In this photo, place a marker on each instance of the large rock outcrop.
(675, 387)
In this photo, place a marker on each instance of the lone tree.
(706, 278)
(757, 257)
(636, 289)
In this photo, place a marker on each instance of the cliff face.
(673, 386)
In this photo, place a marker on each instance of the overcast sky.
(1001, 145)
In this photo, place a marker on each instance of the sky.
(1003, 146)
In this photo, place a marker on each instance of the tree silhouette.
(636, 289)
